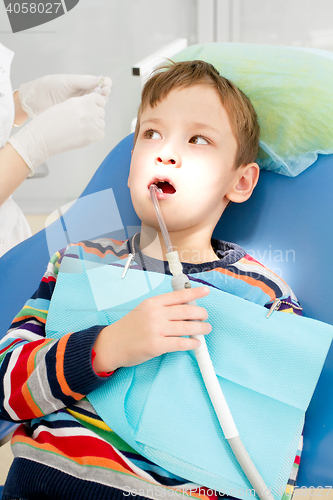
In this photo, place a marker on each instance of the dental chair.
(287, 224)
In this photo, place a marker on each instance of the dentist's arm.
(20, 115)
(13, 171)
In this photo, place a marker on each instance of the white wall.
(282, 22)
(287, 22)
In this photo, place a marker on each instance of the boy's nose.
(171, 160)
(167, 159)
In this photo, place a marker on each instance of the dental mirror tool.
(178, 282)
(98, 89)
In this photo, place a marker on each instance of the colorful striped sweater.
(62, 449)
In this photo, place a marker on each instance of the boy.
(197, 139)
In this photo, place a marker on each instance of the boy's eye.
(198, 139)
(152, 134)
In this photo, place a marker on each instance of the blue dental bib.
(267, 368)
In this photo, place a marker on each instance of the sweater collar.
(228, 253)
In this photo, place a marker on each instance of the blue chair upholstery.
(287, 224)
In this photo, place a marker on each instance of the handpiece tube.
(153, 189)
(179, 282)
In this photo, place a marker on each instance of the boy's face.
(185, 145)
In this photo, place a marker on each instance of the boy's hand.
(156, 326)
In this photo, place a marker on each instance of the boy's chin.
(151, 233)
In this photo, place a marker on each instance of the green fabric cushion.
(291, 91)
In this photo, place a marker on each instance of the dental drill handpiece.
(180, 281)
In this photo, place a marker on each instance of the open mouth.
(165, 187)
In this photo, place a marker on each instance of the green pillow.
(291, 91)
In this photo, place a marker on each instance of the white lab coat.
(14, 227)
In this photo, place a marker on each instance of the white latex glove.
(72, 124)
(41, 94)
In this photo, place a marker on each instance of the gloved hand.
(72, 124)
(41, 94)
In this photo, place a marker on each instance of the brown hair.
(242, 116)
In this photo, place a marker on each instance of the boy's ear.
(245, 181)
